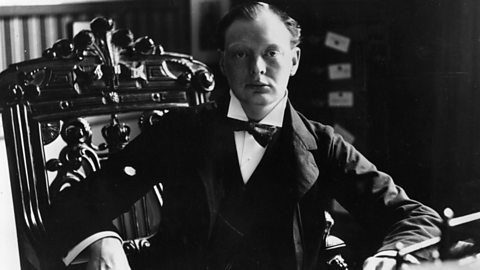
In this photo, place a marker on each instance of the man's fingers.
(376, 263)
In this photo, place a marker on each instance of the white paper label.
(340, 99)
(337, 42)
(340, 71)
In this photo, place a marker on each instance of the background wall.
(26, 31)
(8, 246)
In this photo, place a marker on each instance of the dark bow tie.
(261, 132)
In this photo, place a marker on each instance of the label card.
(340, 71)
(340, 99)
(337, 42)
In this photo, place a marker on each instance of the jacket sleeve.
(376, 201)
(90, 206)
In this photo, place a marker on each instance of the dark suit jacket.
(184, 152)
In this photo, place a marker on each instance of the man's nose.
(258, 66)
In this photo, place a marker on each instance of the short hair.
(250, 11)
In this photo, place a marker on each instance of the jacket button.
(129, 170)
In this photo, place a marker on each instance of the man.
(235, 198)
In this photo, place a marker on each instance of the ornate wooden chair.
(66, 112)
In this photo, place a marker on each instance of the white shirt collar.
(274, 117)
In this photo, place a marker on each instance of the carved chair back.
(66, 112)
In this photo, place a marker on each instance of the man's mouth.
(257, 85)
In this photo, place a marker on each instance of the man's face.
(258, 60)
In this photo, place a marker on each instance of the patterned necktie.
(262, 133)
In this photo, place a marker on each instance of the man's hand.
(379, 263)
(107, 253)
(385, 263)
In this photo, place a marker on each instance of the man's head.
(258, 54)
(250, 11)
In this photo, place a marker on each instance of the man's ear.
(221, 61)
(296, 52)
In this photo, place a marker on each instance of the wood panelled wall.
(25, 32)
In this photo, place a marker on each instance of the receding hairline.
(262, 15)
(251, 11)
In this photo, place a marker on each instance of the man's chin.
(262, 100)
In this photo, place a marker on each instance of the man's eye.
(239, 55)
(272, 53)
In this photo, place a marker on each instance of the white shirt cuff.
(386, 253)
(393, 253)
(71, 257)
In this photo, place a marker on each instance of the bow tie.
(262, 133)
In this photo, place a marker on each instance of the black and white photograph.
(239, 135)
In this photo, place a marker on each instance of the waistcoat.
(253, 229)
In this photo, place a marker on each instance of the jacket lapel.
(217, 142)
(305, 168)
